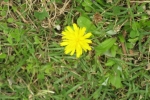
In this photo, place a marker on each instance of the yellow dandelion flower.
(75, 40)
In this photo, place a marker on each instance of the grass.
(33, 64)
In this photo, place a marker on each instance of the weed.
(33, 64)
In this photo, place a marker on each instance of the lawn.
(74, 50)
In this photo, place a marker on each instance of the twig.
(122, 44)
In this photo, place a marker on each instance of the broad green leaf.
(10, 20)
(2, 56)
(40, 76)
(130, 45)
(14, 8)
(85, 22)
(135, 26)
(12, 58)
(41, 15)
(119, 68)
(147, 23)
(88, 8)
(144, 18)
(87, 4)
(3, 12)
(105, 46)
(114, 50)
(134, 34)
(134, 40)
(110, 62)
(9, 39)
(105, 82)
(36, 40)
(29, 68)
(108, 53)
(111, 32)
(115, 80)
(122, 39)
(15, 35)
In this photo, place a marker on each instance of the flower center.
(77, 40)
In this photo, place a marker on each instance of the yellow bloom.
(75, 40)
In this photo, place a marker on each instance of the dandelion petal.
(75, 40)
(87, 35)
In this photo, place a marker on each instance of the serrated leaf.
(105, 46)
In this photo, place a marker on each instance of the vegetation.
(33, 65)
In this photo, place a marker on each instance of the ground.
(33, 63)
